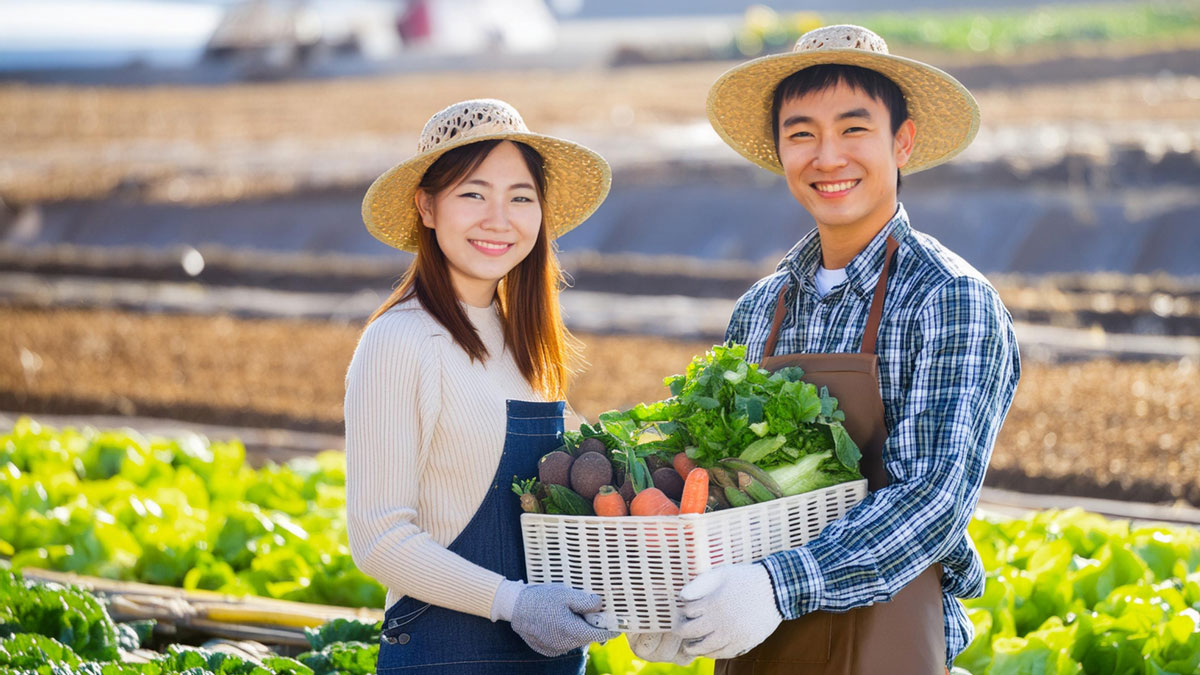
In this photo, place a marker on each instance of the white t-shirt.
(827, 280)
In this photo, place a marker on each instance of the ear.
(424, 202)
(906, 137)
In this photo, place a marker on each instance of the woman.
(456, 386)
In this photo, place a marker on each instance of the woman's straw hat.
(944, 112)
(577, 179)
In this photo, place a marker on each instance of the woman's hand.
(549, 617)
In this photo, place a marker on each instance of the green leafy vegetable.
(182, 512)
(810, 472)
(727, 407)
(343, 630)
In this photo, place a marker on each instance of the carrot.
(609, 502)
(683, 464)
(652, 502)
(695, 492)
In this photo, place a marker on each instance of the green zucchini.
(568, 502)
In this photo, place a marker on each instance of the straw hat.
(577, 179)
(944, 112)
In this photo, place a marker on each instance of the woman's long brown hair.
(544, 350)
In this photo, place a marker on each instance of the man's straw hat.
(944, 112)
(577, 179)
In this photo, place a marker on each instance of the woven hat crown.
(842, 36)
(469, 119)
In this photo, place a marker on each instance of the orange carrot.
(609, 502)
(695, 492)
(652, 502)
(683, 464)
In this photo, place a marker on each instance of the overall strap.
(876, 313)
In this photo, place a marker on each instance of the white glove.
(728, 611)
(659, 648)
(550, 618)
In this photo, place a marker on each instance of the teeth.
(489, 245)
(835, 187)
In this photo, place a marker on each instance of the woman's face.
(486, 223)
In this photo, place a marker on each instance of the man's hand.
(659, 648)
(728, 611)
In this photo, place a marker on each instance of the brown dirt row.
(211, 143)
(1098, 428)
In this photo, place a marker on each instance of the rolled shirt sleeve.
(964, 373)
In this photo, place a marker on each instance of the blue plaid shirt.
(948, 369)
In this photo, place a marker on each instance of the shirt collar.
(862, 272)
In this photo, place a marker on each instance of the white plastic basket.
(639, 564)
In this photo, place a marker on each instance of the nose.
(829, 154)
(497, 216)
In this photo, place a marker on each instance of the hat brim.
(577, 182)
(945, 114)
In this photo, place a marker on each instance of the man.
(913, 341)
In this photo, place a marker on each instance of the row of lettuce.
(1067, 592)
(50, 629)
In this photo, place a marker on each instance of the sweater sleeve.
(393, 397)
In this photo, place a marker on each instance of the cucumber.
(567, 502)
(752, 487)
(722, 476)
(756, 472)
(736, 497)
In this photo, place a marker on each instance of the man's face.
(840, 157)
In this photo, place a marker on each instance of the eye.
(471, 195)
(853, 130)
(523, 200)
(801, 134)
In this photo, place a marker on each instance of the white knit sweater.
(425, 429)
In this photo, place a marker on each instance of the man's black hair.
(829, 75)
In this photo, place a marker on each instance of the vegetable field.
(178, 512)
(1111, 429)
(1067, 592)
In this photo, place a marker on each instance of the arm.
(393, 396)
(963, 381)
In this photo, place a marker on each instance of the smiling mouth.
(835, 188)
(490, 246)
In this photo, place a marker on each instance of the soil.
(204, 144)
(1107, 429)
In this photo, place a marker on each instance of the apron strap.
(876, 314)
(873, 317)
(780, 310)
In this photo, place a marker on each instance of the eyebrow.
(484, 183)
(805, 119)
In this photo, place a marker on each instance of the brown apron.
(905, 636)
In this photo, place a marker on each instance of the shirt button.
(403, 638)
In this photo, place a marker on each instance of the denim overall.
(422, 638)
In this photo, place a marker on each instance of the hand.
(549, 617)
(728, 611)
(659, 648)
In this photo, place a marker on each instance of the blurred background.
(180, 183)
